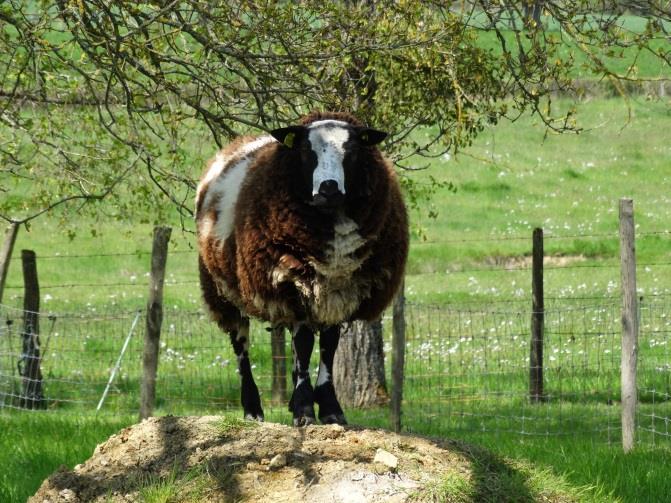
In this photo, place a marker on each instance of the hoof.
(334, 419)
(304, 421)
(254, 417)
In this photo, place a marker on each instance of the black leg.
(302, 399)
(330, 411)
(249, 393)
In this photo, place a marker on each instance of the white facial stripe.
(327, 139)
(328, 122)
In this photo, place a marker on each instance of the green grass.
(512, 179)
(33, 445)
(188, 487)
(230, 425)
(632, 60)
(609, 474)
(465, 392)
(494, 479)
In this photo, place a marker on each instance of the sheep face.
(327, 153)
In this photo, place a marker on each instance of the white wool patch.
(223, 181)
(339, 260)
(327, 139)
(335, 296)
(228, 187)
(222, 160)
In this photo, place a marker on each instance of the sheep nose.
(329, 195)
(328, 188)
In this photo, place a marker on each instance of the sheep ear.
(369, 136)
(287, 135)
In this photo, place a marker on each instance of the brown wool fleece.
(275, 226)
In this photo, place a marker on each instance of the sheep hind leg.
(302, 398)
(249, 393)
(330, 411)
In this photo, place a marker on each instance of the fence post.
(29, 364)
(398, 358)
(537, 319)
(6, 254)
(629, 323)
(159, 257)
(279, 356)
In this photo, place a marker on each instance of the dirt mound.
(217, 459)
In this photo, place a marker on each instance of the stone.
(278, 461)
(386, 458)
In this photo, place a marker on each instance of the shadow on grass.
(494, 479)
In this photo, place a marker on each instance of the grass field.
(476, 251)
(513, 179)
(36, 446)
(632, 60)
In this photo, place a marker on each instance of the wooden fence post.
(29, 365)
(159, 257)
(629, 323)
(537, 319)
(279, 378)
(398, 359)
(6, 254)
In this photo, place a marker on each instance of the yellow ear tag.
(289, 139)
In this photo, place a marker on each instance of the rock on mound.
(218, 459)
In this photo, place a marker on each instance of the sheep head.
(330, 156)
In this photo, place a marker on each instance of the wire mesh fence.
(466, 369)
(471, 370)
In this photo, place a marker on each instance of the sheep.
(304, 228)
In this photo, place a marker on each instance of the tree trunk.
(6, 254)
(358, 369)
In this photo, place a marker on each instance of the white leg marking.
(243, 333)
(323, 377)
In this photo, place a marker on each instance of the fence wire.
(467, 368)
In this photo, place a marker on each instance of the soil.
(213, 459)
(525, 261)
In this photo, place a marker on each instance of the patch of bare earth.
(209, 459)
(524, 262)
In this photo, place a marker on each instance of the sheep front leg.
(302, 399)
(249, 393)
(330, 411)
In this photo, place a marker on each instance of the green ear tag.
(289, 139)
